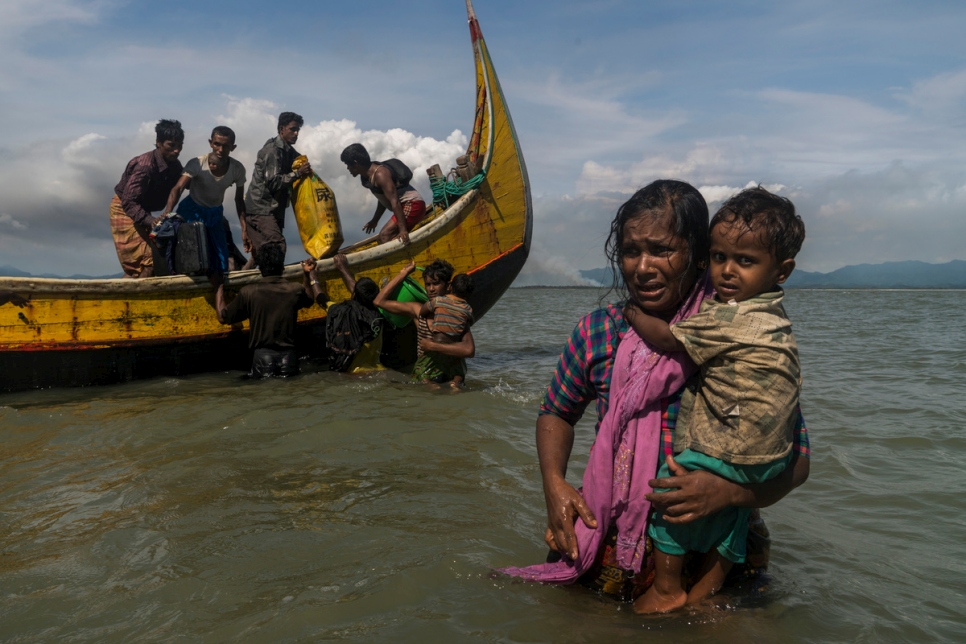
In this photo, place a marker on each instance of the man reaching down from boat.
(389, 182)
(267, 195)
(272, 305)
(207, 178)
(144, 188)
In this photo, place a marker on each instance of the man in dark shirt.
(268, 190)
(272, 305)
(143, 189)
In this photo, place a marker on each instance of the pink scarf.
(625, 454)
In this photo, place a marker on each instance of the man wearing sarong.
(393, 194)
(207, 178)
(268, 191)
(144, 188)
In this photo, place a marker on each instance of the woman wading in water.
(658, 246)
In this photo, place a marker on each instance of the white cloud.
(57, 195)
(7, 220)
(17, 16)
(943, 93)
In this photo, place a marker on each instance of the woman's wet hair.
(365, 292)
(461, 286)
(769, 215)
(355, 154)
(689, 220)
(287, 117)
(168, 130)
(271, 259)
(439, 270)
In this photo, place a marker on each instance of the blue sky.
(855, 110)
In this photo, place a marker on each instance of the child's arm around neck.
(655, 330)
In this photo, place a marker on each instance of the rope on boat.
(445, 191)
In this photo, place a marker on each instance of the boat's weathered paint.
(76, 332)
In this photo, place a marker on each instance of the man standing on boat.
(389, 182)
(208, 178)
(144, 188)
(272, 305)
(268, 191)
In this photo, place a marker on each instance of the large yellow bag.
(316, 214)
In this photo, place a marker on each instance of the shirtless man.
(407, 206)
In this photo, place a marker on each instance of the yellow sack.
(316, 214)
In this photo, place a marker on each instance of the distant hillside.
(889, 275)
(10, 271)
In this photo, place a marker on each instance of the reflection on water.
(360, 508)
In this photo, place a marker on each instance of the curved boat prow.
(66, 332)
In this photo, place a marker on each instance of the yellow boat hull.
(77, 332)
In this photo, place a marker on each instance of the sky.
(854, 110)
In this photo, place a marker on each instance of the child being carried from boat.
(738, 414)
(437, 361)
(450, 317)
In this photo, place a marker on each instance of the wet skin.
(654, 264)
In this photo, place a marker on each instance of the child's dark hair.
(224, 130)
(168, 130)
(287, 117)
(440, 270)
(767, 214)
(365, 292)
(462, 285)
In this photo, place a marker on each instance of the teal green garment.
(727, 530)
(438, 368)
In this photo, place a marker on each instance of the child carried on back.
(737, 414)
(450, 315)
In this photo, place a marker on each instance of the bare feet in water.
(653, 601)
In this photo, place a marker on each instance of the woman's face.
(654, 263)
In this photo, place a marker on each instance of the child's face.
(435, 287)
(742, 265)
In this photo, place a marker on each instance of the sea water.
(331, 507)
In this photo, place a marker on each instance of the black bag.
(348, 326)
(401, 174)
(191, 253)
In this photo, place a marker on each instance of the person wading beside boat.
(272, 305)
(659, 246)
(392, 191)
(268, 191)
(144, 188)
(207, 178)
(437, 362)
(353, 328)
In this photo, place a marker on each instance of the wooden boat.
(64, 332)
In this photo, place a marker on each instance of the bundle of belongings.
(353, 330)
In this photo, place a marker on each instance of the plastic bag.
(316, 214)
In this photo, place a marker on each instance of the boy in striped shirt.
(451, 315)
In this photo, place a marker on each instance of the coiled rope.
(445, 191)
